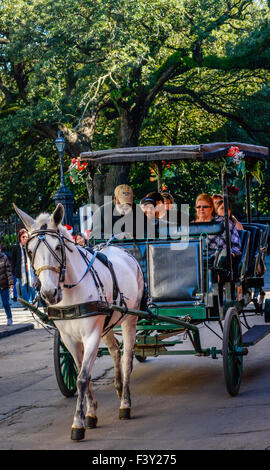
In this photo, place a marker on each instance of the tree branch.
(196, 99)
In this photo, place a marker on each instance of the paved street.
(178, 402)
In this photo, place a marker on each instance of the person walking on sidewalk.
(6, 284)
(21, 268)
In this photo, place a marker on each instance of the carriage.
(188, 285)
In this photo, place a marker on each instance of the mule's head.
(46, 250)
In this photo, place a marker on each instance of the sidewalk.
(24, 321)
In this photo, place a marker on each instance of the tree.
(100, 67)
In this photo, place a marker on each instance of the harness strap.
(83, 310)
(43, 268)
(89, 266)
(103, 258)
(116, 289)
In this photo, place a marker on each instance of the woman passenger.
(216, 198)
(220, 212)
(205, 212)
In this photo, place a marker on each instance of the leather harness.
(86, 309)
(78, 311)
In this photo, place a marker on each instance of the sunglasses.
(202, 207)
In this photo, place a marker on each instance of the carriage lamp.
(60, 144)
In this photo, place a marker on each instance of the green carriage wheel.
(231, 351)
(65, 368)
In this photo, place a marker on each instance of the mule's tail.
(142, 290)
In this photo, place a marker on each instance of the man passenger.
(115, 216)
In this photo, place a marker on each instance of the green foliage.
(139, 72)
(8, 241)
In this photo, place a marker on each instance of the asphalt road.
(178, 402)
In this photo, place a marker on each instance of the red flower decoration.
(232, 151)
(233, 190)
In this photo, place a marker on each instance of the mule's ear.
(27, 220)
(58, 214)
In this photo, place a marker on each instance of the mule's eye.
(58, 247)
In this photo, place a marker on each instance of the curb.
(15, 329)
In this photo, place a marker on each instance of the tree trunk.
(104, 184)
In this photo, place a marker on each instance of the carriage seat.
(243, 263)
(195, 230)
(172, 268)
(174, 271)
(263, 245)
(256, 235)
(211, 228)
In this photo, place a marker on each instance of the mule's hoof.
(124, 413)
(77, 434)
(91, 421)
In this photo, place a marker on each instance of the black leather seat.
(173, 232)
(174, 271)
(256, 235)
(263, 243)
(245, 244)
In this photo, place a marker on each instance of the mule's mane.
(44, 221)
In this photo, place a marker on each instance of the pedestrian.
(6, 285)
(21, 268)
(8, 254)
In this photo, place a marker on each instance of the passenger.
(106, 217)
(238, 226)
(80, 239)
(160, 209)
(153, 207)
(220, 212)
(205, 212)
(147, 205)
(168, 200)
(216, 198)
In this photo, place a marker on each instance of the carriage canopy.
(172, 152)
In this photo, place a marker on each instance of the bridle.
(90, 308)
(41, 236)
(61, 269)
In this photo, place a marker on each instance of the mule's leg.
(91, 407)
(113, 346)
(90, 352)
(129, 335)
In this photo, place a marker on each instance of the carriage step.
(255, 334)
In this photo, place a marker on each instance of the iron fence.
(10, 225)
